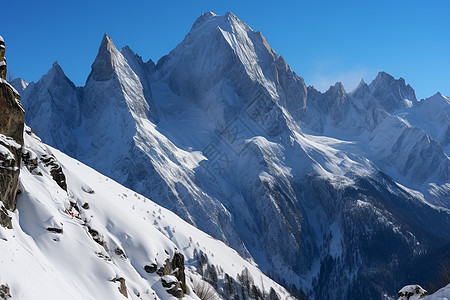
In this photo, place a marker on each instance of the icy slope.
(70, 245)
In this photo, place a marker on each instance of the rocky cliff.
(11, 142)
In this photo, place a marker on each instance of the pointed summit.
(56, 75)
(203, 18)
(438, 100)
(361, 89)
(336, 89)
(391, 93)
(56, 67)
(103, 66)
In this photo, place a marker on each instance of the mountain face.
(332, 193)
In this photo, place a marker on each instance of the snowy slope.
(212, 132)
(433, 116)
(133, 230)
(442, 294)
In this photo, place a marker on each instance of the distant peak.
(360, 89)
(439, 97)
(337, 86)
(336, 89)
(56, 69)
(361, 85)
(392, 93)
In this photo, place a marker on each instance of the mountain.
(92, 238)
(332, 193)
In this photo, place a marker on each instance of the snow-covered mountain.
(328, 192)
(92, 238)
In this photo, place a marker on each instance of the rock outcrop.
(5, 292)
(122, 287)
(11, 141)
(173, 277)
(412, 292)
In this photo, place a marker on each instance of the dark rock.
(122, 287)
(178, 269)
(5, 292)
(55, 170)
(55, 230)
(30, 162)
(12, 116)
(74, 206)
(103, 256)
(10, 154)
(175, 268)
(97, 238)
(151, 268)
(5, 219)
(173, 286)
(120, 253)
(11, 141)
(85, 205)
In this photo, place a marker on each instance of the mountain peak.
(103, 67)
(338, 87)
(203, 18)
(56, 69)
(438, 99)
(361, 89)
(392, 93)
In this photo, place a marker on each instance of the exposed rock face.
(55, 170)
(174, 268)
(123, 287)
(11, 141)
(12, 116)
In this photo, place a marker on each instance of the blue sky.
(322, 41)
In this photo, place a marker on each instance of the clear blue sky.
(323, 41)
